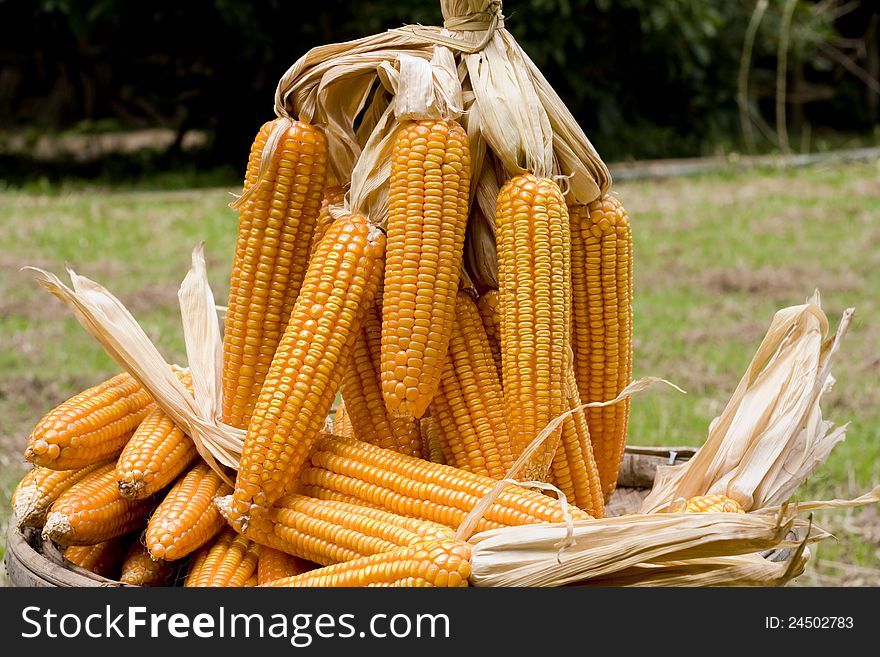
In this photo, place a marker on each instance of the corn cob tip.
(130, 488)
(25, 506)
(57, 527)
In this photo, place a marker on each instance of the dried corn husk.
(771, 436)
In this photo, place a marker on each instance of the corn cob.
(140, 569)
(713, 504)
(354, 471)
(187, 518)
(310, 361)
(574, 468)
(327, 532)
(39, 489)
(602, 293)
(103, 558)
(342, 423)
(332, 196)
(469, 406)
(92, 511)
(429, 563)
(534, 272)
(229, 560)
(90, 427)
(427, 214)
(275, 230)
(362, 391)
(157, 452)
(275, 564)
(490, 312)
(432, 445)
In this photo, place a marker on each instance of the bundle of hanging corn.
(424, 229)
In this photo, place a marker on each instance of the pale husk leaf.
(771, 435)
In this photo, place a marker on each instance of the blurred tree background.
(645, 78)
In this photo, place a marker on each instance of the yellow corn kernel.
(186, 518)
(428, 197)
(310, 361)
(534, 288)
(356, 472)
(602, 294)
(469, 405)
(429, 563)
(271, 255)
(92, 511)
(90, 427)
(38, 490)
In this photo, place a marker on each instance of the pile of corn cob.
(444, 383)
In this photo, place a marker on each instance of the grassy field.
(716, 256)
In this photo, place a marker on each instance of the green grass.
(716, 256)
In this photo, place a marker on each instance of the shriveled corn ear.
(140, 569)
(156, 454)
(275, 564)
(92, 511)
(429, 563)
(332, 196)
(90, 427)
(574, 469)
(713, 504)
(490, 312)
(104, 558)
(338, 291)
(229, 560)
(602, 295)
(186, 519)
(428, 196)
(342, 422)
(469, 404)
(327, 532)
(362, 390)
(276, 222)
(354, 471)
(432, 446)
(38, 490)
(534, 278)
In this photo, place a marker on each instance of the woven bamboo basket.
(30, 562)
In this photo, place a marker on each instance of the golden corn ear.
(274, 564)
(490, 312)
(230, 560)
(103, 558)
(429, 563)
(362, 391)
(90, 427)
(342, 423)
(332, 196)
(140, 569)
(534, 287)
(186, 519)
(338, 291)
(602, 294)
(156, 454)
(356, 472)
(432, 441)
(713, 504)
(275, 231)
(92, 511)
(469, 405)
(574, 469)
(428, 196)
(38, 490)
(327, 532)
